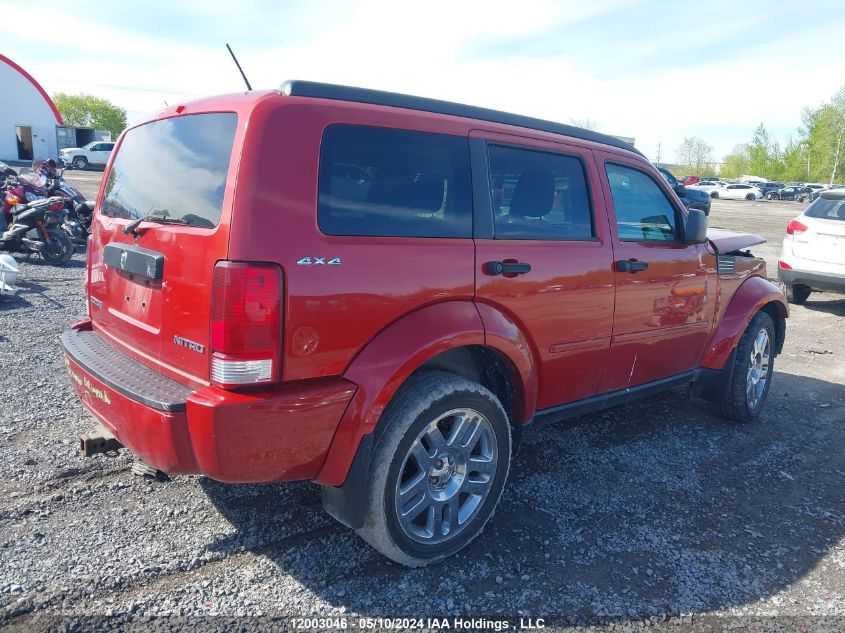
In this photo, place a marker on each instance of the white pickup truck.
(95, 153)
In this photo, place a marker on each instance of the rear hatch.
(162, 224)
(824, 239)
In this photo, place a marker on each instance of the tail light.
(246, 323)
(796, 228)
(784, 265)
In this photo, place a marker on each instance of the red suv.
(381, 293)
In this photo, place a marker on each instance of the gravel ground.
(645, 512)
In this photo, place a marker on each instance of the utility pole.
(658, 154)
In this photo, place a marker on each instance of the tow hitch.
(100, 440)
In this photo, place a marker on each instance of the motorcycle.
(80, 211)
(6, 171)
(34, 227)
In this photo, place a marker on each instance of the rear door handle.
(630, 265)
(506, 268)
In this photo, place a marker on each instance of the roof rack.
(317, 90)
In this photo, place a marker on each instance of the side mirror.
(680, 190)
(695, 231)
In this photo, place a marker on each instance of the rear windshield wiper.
(132, 227)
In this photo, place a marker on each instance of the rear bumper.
(280, 434)
(824, 282)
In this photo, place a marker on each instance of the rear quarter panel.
(332, 312)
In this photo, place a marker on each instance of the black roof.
(299, 88)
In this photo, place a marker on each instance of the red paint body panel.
(159, 438)
(386, 362)
(564, 305)
(751, 295)
(663, 314)
(279, 434)
(569, 329)
(270, 435)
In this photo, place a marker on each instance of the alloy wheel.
(758, 368)
(446, 476)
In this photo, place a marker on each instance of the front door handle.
(506, 268)
(630, 265)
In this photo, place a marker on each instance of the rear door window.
(398, 183)
(539, 195)
(173, 169)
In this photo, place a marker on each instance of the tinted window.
(827, 209)
(643, 212)
(537, 195)
(106, 147)
(173, 168)
(379, 181)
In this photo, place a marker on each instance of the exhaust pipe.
(100, 440)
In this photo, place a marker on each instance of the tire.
(796, 293)
(80, 162)
(745, 395)
(750, 196)
(406, 454)
(60, 248)
(714, 194)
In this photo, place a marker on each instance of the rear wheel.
(80, 162)
(796, 293)
(752, 371)
(437, 470)
(59, 249)
(714, 194)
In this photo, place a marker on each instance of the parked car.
(382, 294)
(95, 153)
(788, 193)
(706, 187)
(813, 253)
(691, 198)
(770, 187)
(737, 191)
(690, 180)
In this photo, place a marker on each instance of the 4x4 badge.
(318, 261)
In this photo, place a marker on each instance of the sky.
(657, 71)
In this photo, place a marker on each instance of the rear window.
(827, 209)
(174, 169)
(385, 182)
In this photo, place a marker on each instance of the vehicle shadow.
(655, 508)
(835, 307)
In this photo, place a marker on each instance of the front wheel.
(437, 470)
(59, 249)
(80, 162)
(750, 196)
(714, 195)
(752, 371)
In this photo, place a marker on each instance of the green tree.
(794, 162)
(736, 163)
(85, 110)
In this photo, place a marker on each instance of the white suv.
(95, 153)
(813, 252)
